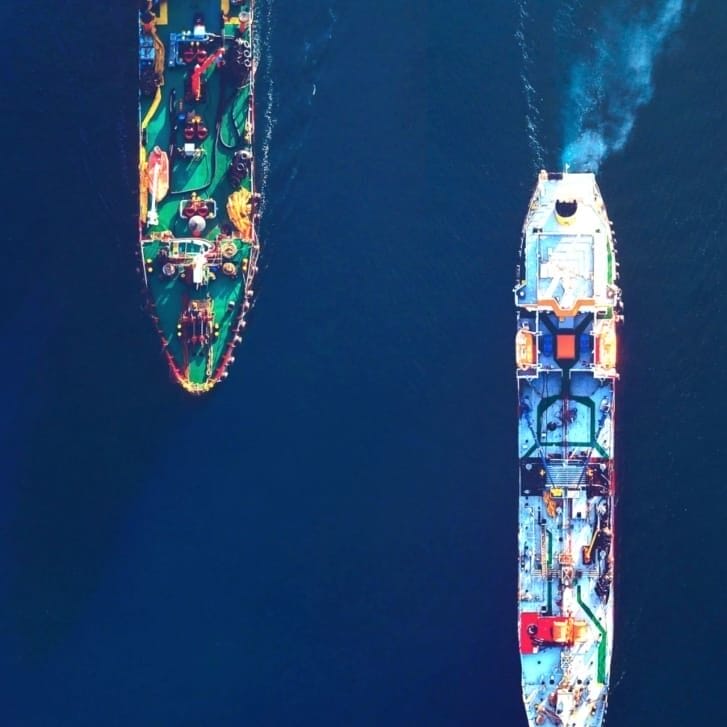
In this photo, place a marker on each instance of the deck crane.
(195, 79)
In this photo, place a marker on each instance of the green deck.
(224, 110)
(602, 644)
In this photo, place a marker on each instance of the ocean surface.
(329, 538)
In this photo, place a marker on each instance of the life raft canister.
(228, 250)
(189, 54)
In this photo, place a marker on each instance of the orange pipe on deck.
(196, 79)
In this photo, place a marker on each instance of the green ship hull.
(198, 203)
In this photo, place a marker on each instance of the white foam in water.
(271, 115)
(607, 89)
(532, 118)
(263, 43)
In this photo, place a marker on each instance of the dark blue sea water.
(329, 538)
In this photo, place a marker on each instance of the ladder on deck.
(566, 475)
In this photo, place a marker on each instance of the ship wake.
(532, 114)
(607, 59)
(262, 42)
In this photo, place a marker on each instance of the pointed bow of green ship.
(198, 205)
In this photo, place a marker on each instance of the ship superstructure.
(198, 202)
(568, 311)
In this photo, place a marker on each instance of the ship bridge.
(566, 254)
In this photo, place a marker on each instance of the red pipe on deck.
(196, 79)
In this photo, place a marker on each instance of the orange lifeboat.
(524, 348)
(606, 347)
(158, 170)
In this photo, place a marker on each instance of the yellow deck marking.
(163, 18)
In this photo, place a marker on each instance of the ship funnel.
(565, 211)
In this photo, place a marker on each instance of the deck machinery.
(568, 311)
(198, 202)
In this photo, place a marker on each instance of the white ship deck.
(568, 262)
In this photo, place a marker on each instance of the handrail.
(152, 109)
(602, 643)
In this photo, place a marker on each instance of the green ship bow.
(198, 204)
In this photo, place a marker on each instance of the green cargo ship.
(198, 203)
